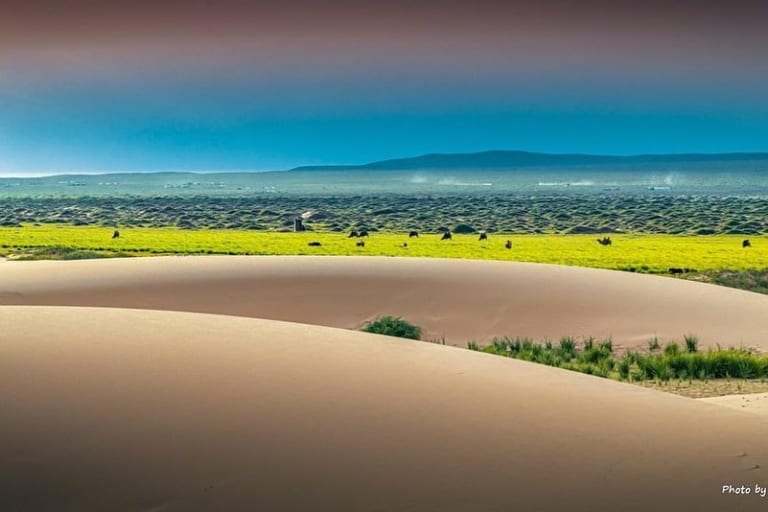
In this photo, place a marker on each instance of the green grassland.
(647, 253)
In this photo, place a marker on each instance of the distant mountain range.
(517, 159)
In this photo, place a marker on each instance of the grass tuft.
(393, 326)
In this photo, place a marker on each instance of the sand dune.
(460, 300)
(756, 403)
(108, 409)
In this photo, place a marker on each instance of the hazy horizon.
(404, 157)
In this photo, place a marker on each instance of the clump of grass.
(393, 326)
(691, 343)
(568, 347)
(624, 366)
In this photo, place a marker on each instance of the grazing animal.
(605, 241)
(116, 234)
(361, 243)
(353, 234)
(483, 236)
(447, 236)
(675, 270)
(362, 233)
(412, 234)
(745, 244)
(508, 245)
(314, 244)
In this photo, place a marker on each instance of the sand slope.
(461, 300)
(140, 410)
(756, 403)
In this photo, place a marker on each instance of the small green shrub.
(393, 326)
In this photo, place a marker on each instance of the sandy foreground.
(459, 300)
(756, 403)
(109, 409)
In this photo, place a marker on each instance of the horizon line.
(46, 174)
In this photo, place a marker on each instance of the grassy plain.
(647, 253)
(639, 253)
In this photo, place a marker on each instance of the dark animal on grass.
(362, 233)
(483, 236)
(675, 270)
(116, 234)
(605, 241)
(405, 245)
(508, 245)
(412, 234)
(314, 244)
(447, 236)
(361, 243)
(353, 234)
(746, 243)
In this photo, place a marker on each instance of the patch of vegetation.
(592, 357)
(671, 362)
(755, 280)
(393, 326)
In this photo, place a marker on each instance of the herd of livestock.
(447, 235)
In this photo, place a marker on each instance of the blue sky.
(84, 141)
(149, 89)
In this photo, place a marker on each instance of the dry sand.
(108, 409)
(756, 403)
(461, 300)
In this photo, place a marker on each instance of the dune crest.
(460, 300)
